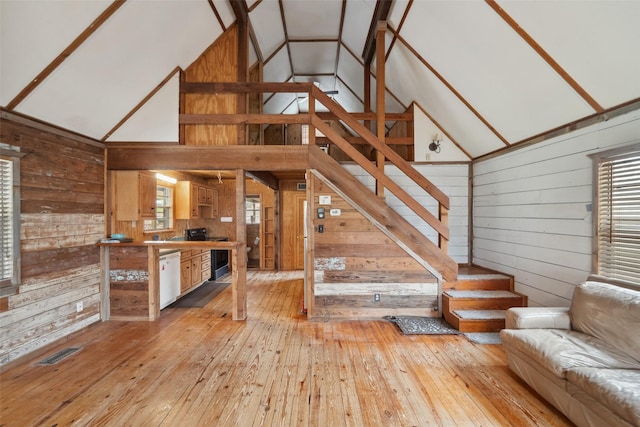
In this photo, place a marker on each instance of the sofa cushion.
(616, 389)
(608, 312)
(560, 350)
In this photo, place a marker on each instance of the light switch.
(324, 200)
(335, 212)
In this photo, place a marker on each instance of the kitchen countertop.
(175, 244)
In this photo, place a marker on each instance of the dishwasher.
(169, 278)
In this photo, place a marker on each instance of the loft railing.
(316, 120)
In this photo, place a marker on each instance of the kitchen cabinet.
(195, 200)
(195, 268)
(134, 195)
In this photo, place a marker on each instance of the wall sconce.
(435, 144)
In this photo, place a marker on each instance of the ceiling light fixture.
(166, 178)
(435, 143)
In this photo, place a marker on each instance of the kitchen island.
(131, 285)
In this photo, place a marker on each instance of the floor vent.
(55, 358)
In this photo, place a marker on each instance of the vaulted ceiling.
(486, 74)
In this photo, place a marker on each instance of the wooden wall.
(209, 67)
(354, 261)
(530, 210)
(62, 203)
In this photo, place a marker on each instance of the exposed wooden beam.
(110, 10)
(442, 128)
(394, 117)
(381, 31)
(242, 15)
(247, 87)
(354, 140)
(239, 260)
(199, 157)
(342, 15)
(240, 10)
(404, 18)
(549, 60)
(215, 12)
(607, 114)
(266, 178)
(380, 13)
(141, 103)
(238, 119)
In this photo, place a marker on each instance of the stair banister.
(389, 153)
(373, 170)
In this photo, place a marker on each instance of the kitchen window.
(164, 210)
(9, 219)
(617, 226)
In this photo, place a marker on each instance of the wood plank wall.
(129, 283)
(216, 64)
(530, 210)
(354, 261)
(62, 203)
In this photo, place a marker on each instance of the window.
(252, 209)
(164, 210)
(9, 219)
(617, 233)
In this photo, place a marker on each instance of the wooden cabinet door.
(195, 197)
(196, 270)
(185, 275)
(209, 197)
(147, 192)
(202, 195)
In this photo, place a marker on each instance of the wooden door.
(299, 218)
(292, 230)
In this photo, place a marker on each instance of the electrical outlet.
(79, 307)
(376, 297)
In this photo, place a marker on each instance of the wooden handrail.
(361, 160)
(439, 224)
(389, 153)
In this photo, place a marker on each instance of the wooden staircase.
(477, 301)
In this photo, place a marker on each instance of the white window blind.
(619, 217)
(6, 222)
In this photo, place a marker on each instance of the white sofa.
(585, 359)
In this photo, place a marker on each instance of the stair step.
(482, 299)
(482, 293)
(480, 314)
(476, 320)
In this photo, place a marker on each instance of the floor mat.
(201, 296)
(416, 325)
(483, 337)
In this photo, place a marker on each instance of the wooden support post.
(243, 69)
(239, 255)
(443, 215)
(380, 96)
(312, 112)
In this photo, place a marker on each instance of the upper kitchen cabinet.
(195, 200)
(134, 195)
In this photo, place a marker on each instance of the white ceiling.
(478, 80)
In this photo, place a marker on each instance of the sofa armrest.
(538, 318)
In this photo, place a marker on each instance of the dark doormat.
(416, 325)
(201, 296)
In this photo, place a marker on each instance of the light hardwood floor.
(197, 367)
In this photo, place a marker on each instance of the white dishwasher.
(169, 278)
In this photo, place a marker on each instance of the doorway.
(253, 213)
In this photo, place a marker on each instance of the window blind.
(6, 222)
(619, 217)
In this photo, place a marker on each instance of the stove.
(219, 258)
